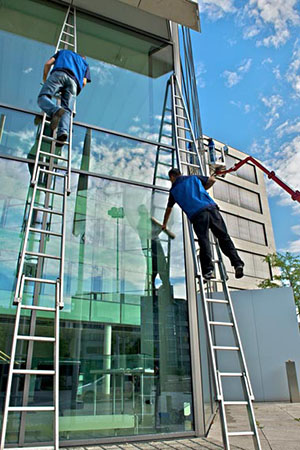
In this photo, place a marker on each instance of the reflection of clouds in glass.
(28, 70)
(102, 72)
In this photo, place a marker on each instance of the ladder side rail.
(224, 426)
(34, 178)
(62, 246)
(17, 297)
(177, 149)
(198, 276)
(62, 29)
(160, 133)
(75, 29)
(10, 376)
(235, 327)
(251, 414)
(190, 125)
(69, 162)
(56, 366)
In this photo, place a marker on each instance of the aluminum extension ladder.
(189, 162)
(51, 179)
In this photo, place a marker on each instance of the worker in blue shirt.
(190, 194)
(69, 75)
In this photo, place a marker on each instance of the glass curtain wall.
(124, 347)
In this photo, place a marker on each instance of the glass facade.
(124, 347)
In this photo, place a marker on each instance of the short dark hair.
(174, 173)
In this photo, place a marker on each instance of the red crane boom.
(271, 174)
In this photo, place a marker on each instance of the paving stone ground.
(278, 424)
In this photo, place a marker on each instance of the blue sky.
(247, 60)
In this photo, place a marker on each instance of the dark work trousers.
(211, 219)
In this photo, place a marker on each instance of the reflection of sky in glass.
(122, 95)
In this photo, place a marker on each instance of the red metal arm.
(294, 194)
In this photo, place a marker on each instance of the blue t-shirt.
(74, 65)
(189, 193)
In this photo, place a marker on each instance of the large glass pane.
(124, 346)
(129, 71)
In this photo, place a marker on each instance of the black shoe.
(56, 118)
(208, 275)
(239, 271)
(62, 139)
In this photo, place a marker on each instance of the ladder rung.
(67, 43)
(33, 372)
(69, 25)
(42, 255)
(47, 210)
(36, 338)
(163, 178)
(167, 122)
(69, 34)
(52, 139)
(190, 165)
(53, 155)
(184, 128)
(164, 164)
(221, 347)
(189, 152)
(238, 402)
(31, 409)
(167, 136)
(185, 139)
(230, 374)
(50, 172)
(40, 280)
(224, 324)
(214, 300)
(52, 233)
(51, 191)
(177, 96)
(181, 117)
(240, 433)
(179, 106)
(38, 308)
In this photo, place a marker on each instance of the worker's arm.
(211, 180)
(47, 67)
(166, 217)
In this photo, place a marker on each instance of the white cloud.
(288, 127)
(293, 72)
(296, 229)
(233, 78)
(280, 15)
(247, 109)
(200, 71)
(216, 9)
(273, 103)
(103, 72)
(293, 246)
(28, 70)
(267, 61)
(276, 72)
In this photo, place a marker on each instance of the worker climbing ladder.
(189, 162)
(46, 220)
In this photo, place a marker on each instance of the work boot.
(208, 275)
(62, 139)
(56, 118)
(239, 271)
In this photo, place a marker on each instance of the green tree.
(289, 273)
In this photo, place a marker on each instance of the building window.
(245, 229)
(237, 196)
(247, 171)
(255, 265)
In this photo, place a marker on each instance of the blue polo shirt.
(189, 193)
(74, 65)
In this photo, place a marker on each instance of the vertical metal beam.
(191, 288)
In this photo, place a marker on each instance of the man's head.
(174, 174)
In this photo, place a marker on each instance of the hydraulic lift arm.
(271, 174)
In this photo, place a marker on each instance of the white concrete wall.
(270, 336)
